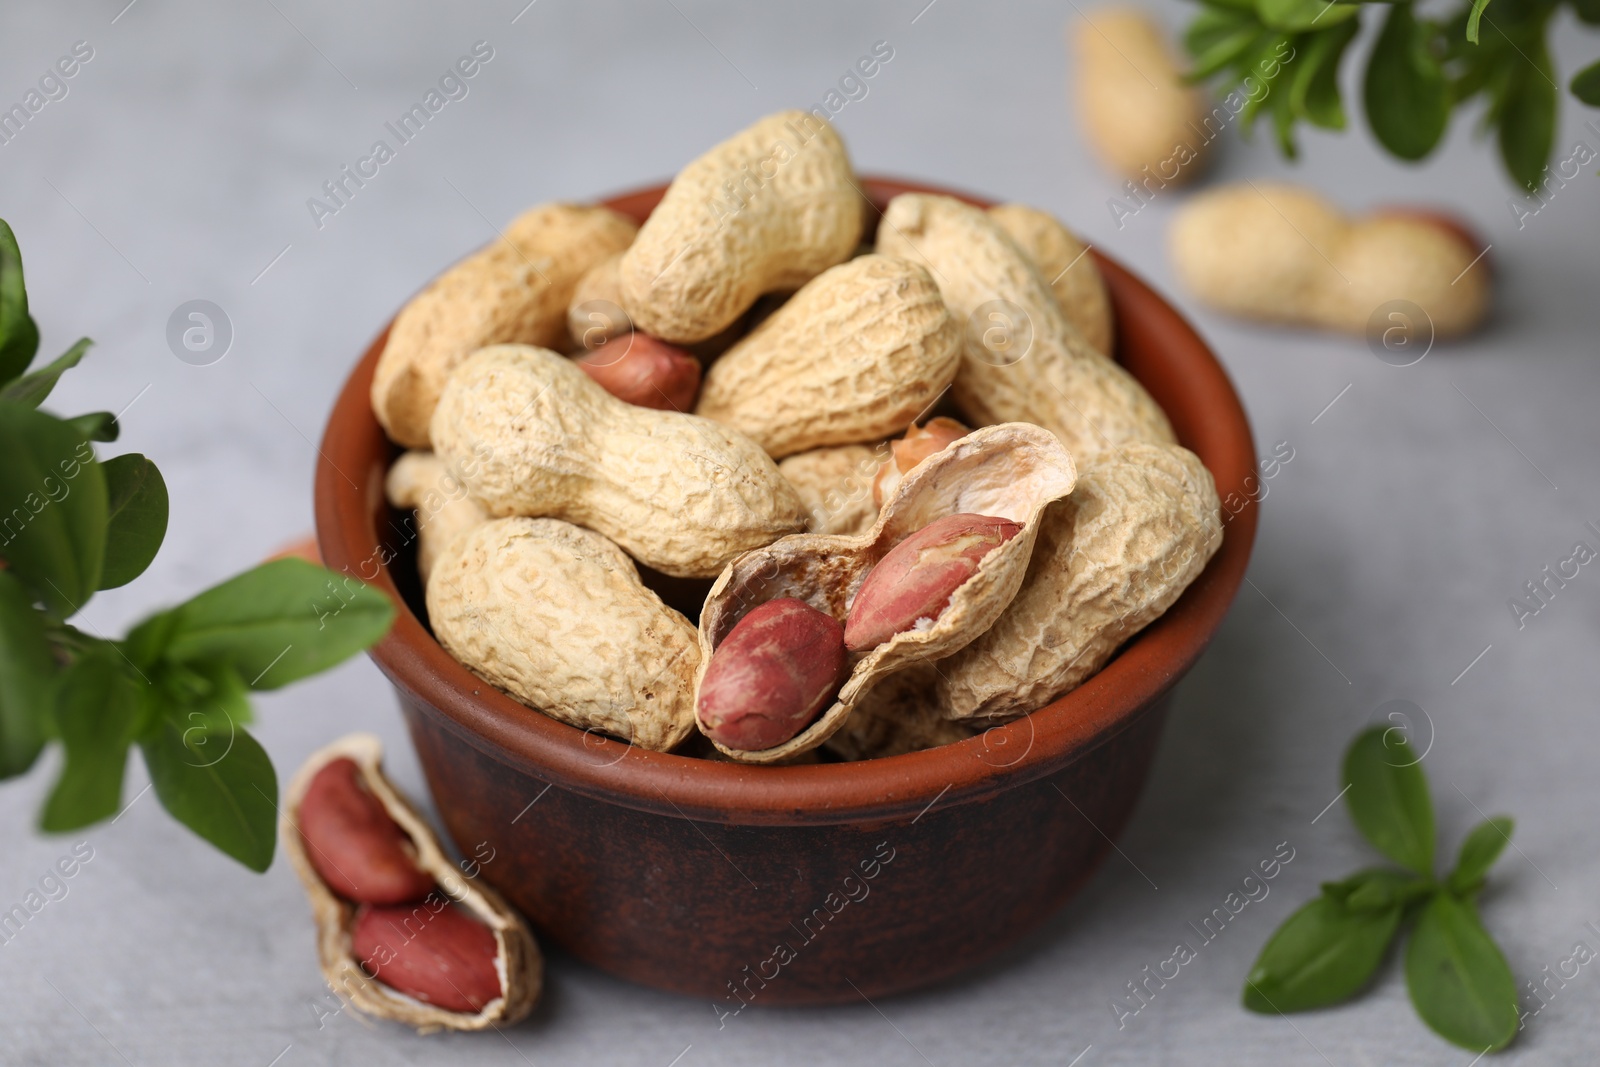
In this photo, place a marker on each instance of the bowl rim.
(1210, 420)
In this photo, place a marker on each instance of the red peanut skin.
(645, 372)
(431, 950)
(360, 852)
(771, 675)
(918, 444)
(916, 578)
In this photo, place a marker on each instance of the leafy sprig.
(1330, 949)
(1420, 70)
(177, 686)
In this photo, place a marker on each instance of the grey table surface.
(1419, 500)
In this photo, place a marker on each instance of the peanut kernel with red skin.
(431, 951)
(769, 677)
(645, 372)
(361, 853)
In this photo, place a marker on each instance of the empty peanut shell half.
(516, 959)
(1009, 472)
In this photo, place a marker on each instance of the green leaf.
(1586, 84)
(1458, 980)
(1267, 52)
(1588, 11)
(97, 710)
(52, 508)
(96, 426)
(1478, 853)
(1315, 89)
(210, 696)
(1472, 19)
(27, 675)
(1388, 798)
(1527, 117)
(1216, 38)
(19, 337)
(1298, 15)
(31, 389)
(1407, 96)
(221, 786)
(137, 518)
(280, 622)
(1379, 889)
(1322, 954)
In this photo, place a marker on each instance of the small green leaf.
(1322, 954)
(1216, 38)
(1586, 84)
(136, 521)
(1478, 853)
(52, 508)
(1458, 980)
(1588, 11)
(1472, 19)
(1406, 93)
(1388, 798)
(210, 696)
(1299, 15)
(221, 786)
(31, 389)
(97, 711)
(27, 676)
(1379, 889)
(19, 337)
(1315, 89)
(280, 622)
(96, 426)
(1527, 116)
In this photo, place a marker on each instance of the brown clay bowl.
(807, 884)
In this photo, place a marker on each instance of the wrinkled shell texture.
(835, 486)
(855, 355)
(1063, 261)
(1129, 93)
(556, 616)
(520, 964)
(595, 311)
(1060, 382)
(516, 290)
(1011, 472)
(896, 716)
(769, 208)
(530, 434)
(444, 511)
(1281, 253)
(1140, 525)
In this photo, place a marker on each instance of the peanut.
(1137, 114)
(1010, 472)
(836, 486)
(355, 846)
(1064, 262)
(517, 289)
(1280, 253)
(430, 952)
(1056, 380)
(1139, 526)
(768, 209)
(854, 356)
(911, 585)
(918, 444)
(645, 372)
(896, 716)
(444, 511)
(466, 965)
(556, 615)
(530, 434)
(595, 314)
(770, 676)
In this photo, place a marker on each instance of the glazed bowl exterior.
(806, 884)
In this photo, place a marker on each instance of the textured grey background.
(178, 168)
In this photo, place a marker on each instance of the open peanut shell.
(518, 960)
(1010, 471)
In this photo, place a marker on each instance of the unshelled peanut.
(530, 434)
(768, 209)
(444, 510)
(1137, 113)
(837, 485)
(1045, 373)
(556, 616)
(853, 356)
(515, 290)
(1283, 253)
(645, 372)
(1065, 264)
(777, 668)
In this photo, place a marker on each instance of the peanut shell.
(1065, 264)
(444, 511)
(1010, 471)
(520, 964)
(896, 716)
(835, 486)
